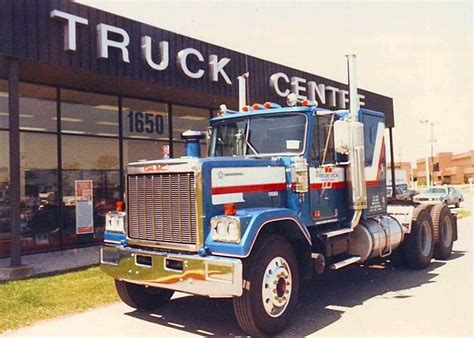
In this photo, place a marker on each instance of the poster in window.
(84, 207)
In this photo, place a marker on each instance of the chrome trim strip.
(211, 276)
(162, 245)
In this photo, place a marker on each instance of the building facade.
(83, 92)
(448, 168)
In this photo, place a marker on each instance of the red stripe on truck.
(248, 188)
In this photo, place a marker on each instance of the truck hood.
(198, 164)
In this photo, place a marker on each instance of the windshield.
(435, 191)
(260, 136)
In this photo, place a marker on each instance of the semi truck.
(285, 194)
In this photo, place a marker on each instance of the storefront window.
(186, 118)
(4, 195)
(89, 114)
(37, 108)
(39, 218)
(145, 120)
(94, 161)
(4, 104)
(135, 150)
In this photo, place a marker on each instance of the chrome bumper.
(208, 276)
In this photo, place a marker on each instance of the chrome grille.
(162, 207)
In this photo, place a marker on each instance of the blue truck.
(284, 194)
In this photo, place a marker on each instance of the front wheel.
(270, 289)
(142, 297)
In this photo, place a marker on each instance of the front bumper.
(208, 276)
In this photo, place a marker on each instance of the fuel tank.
(376, 237)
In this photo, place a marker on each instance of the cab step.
(338, 232)
(345, 262)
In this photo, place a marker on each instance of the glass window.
(4, 104)
(135, 150)
(178, 149)
(322, 148)
(88, 114)
(188, 118)
(4, 195)
(145, 120)
(89, 158)
(39, 217)
(260, 135)
(37, 108)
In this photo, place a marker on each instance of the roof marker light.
(257, 106)
(307, 103)
(245, 109)
(269, 105)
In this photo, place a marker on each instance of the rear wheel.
(418, 246)
(142, 297)
(443, 226)
(271, 288)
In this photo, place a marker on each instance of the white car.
(444, 194)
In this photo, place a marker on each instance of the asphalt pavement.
(377, 300)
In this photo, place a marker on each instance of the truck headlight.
(115, 221)
(225, 229)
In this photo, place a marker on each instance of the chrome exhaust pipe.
(356, 147)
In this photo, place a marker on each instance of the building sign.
(157, 56)
(282, 85)
(84, 207)
(121, 41)
(117, 55)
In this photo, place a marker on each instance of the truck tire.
(271, 285)
(418, 246)
(443, 228)
(141, 297)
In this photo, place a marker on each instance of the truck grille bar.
(162, 208)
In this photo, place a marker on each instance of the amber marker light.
(256, 106)
(245, 109)
(230, 209)
(267, 105)
(119, 206)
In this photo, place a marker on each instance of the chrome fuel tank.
(376, 237)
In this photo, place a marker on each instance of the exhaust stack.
(354, 105)
(356, 147)
(242, 90)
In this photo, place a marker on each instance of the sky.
(420, 53)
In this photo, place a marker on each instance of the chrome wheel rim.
(425, 238)
(276, 287)
(447, 232)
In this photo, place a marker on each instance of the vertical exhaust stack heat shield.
(356, 147)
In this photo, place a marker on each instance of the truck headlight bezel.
(115, 221)
(226, 229)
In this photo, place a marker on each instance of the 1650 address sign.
(145, 123)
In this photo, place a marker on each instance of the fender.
(253, 220)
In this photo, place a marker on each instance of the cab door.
(327, 181)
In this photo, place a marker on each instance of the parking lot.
(377, 300)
